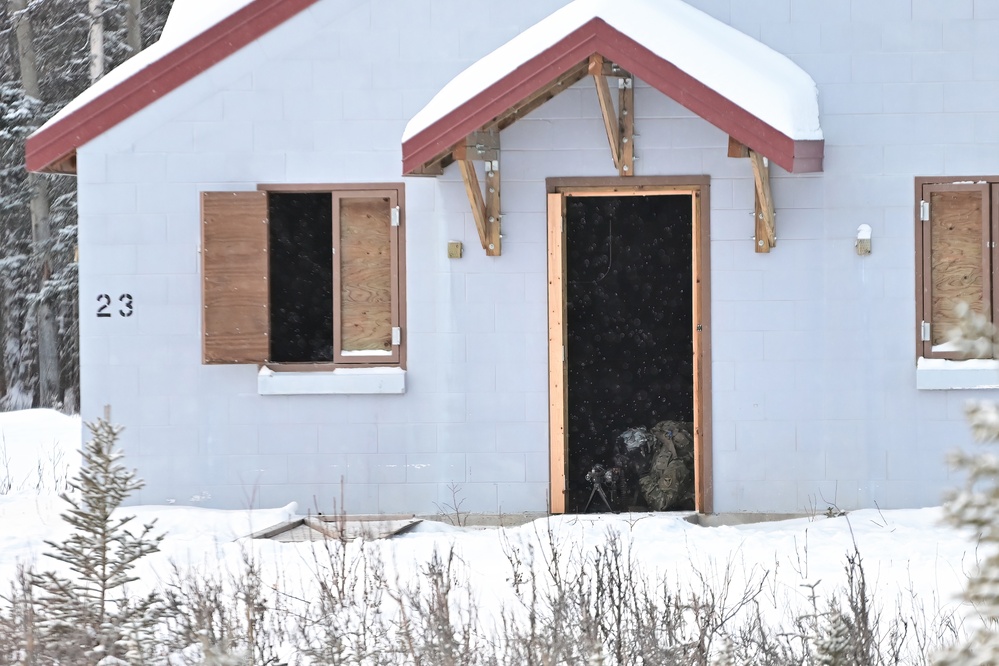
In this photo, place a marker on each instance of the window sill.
(341, 381)
(937, 374)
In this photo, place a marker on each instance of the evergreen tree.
(726, 653)
(834, 644)
(87, 617)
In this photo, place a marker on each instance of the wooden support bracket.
(626, 111)
(766, 227)
(766, 218)
(620, 125)
(483, 146)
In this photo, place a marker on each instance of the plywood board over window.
(329, 294)
(954, 245)
(367, 243)
(234, 287)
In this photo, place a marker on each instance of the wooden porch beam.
(521, 109)
(737, 149)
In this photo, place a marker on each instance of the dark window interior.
(301, 277)
(629, 330)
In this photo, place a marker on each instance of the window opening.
(301, 277)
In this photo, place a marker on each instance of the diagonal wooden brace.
(620, 124)
(766, 218)
(483, 146)
(766, 226)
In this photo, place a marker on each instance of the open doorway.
(628, 317)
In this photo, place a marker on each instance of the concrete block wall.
(813, 372)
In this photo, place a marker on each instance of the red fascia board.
(51, 145)
(492, 102)
(705, 102)
(596, 36)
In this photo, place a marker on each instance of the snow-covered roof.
(651, 38)
(197, 35)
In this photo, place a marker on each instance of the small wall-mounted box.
(864, 240)
(454, 250)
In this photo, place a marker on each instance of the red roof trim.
(596, 36)
(59, 141)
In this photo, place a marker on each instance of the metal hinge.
(924, 211)
(395, 217)
(396, 336)
(925, 331)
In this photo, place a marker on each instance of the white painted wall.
(815, 398)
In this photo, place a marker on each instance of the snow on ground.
(908, 554)
(39, 448)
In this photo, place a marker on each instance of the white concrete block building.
(376, 250)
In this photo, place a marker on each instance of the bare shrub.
(222, 618)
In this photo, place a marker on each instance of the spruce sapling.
(88, 616)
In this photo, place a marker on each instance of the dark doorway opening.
(629, 355)
(301, 277)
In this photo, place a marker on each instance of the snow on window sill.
(937, 374)
(341, 381)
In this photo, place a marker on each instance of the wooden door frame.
(696, 187)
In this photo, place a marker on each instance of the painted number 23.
(125, 300)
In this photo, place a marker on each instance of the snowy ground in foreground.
(908, 554)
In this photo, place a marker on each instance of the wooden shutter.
(235, 291)
(366, 226)
(956, 259)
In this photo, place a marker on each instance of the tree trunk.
(3, 341)
(96, 39)
(133, 25)
(48, 345)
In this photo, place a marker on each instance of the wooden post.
(626, 98)
(557, 384)
(766, 232)
(493, 217)
(764, 215)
